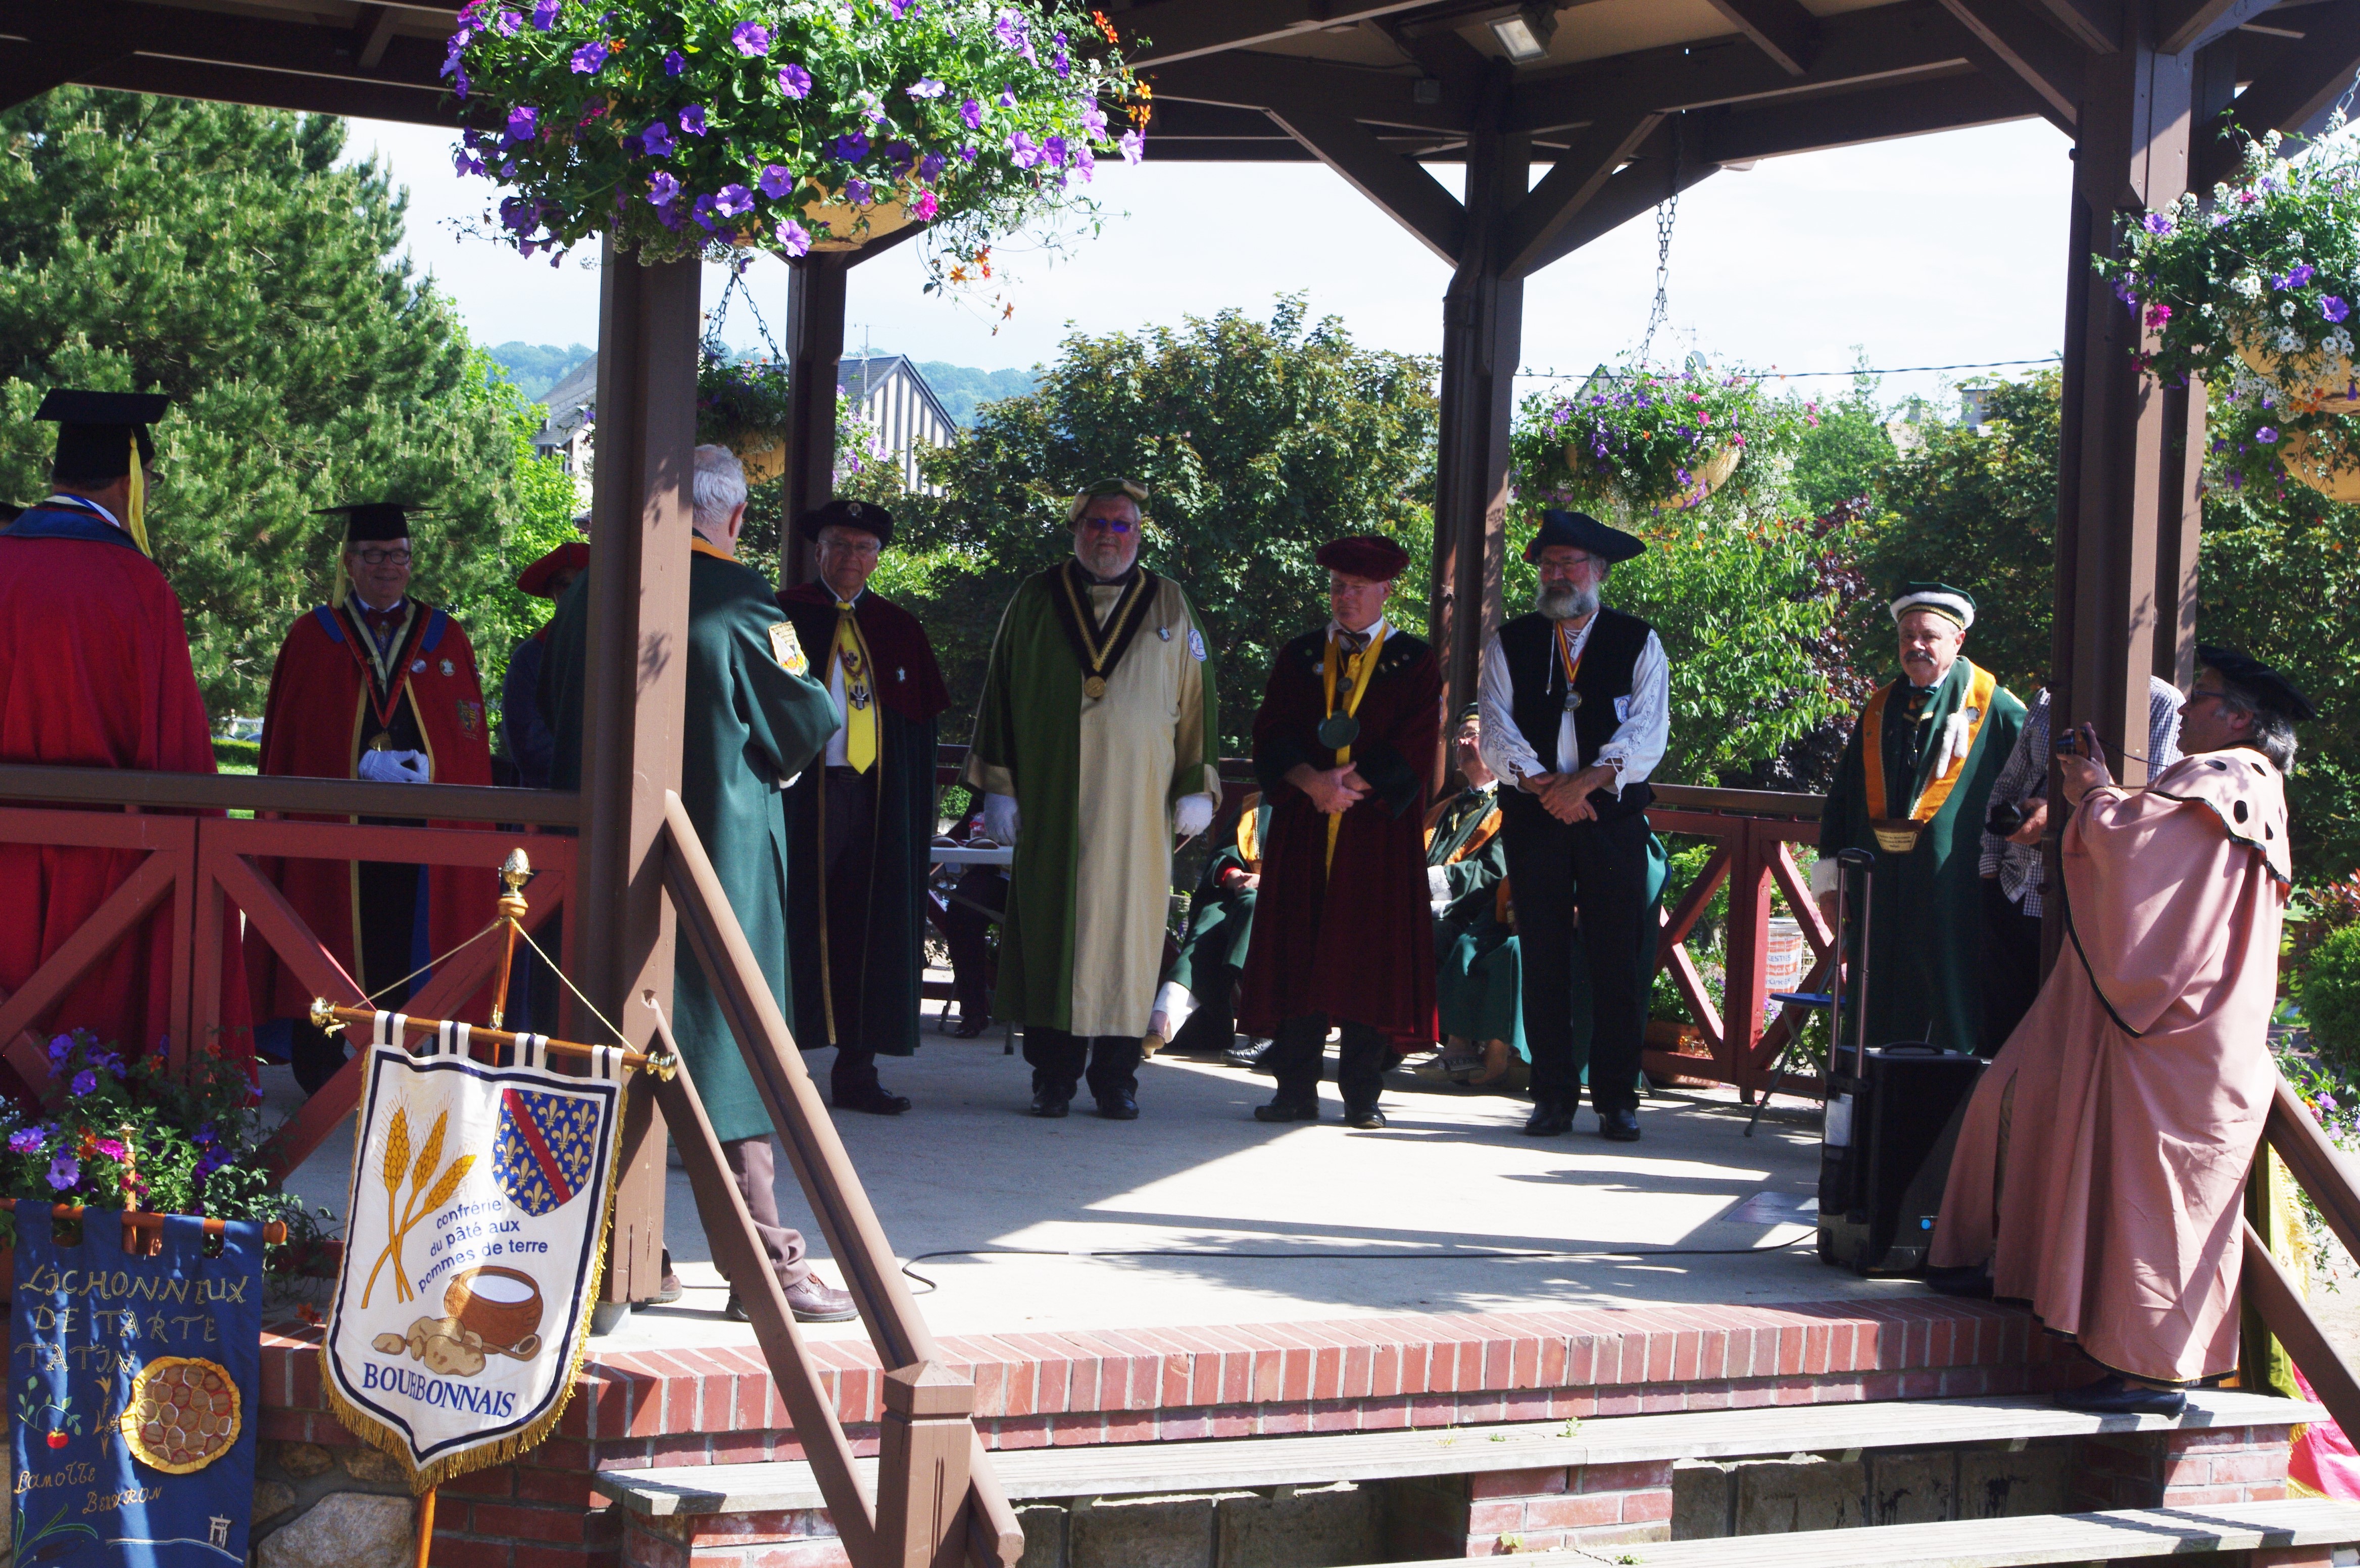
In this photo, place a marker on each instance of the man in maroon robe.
(378, 687)
(1342, 933)
(94, 673)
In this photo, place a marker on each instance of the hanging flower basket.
(1638, 440)
(742, 404)
(787, 126)
(2254, 293)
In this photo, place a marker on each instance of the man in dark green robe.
(1477, 985)
(858, 828)
(1196, 1006)
(752, 719)
(1912, 789)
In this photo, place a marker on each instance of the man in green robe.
(1479, 992)
(1196, 1006)
(1097, 722)
(1912, 788)
(752, 720)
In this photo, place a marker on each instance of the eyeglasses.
(1106, 525)
(382, 557)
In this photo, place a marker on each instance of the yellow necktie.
(859, 698)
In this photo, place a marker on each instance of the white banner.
(475, 1246)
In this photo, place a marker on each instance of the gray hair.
(720, 488)
(2273, 731)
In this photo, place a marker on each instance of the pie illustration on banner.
(184, 1413)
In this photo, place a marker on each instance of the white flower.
(2203, 310)
(2286, 309)
(2294, 239)
(2247, 284)
(2290, 342)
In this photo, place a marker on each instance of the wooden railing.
(2320, 1168)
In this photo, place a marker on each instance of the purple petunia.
(2158, 223)
(860, 192)
(924, 87)
(1008, 97)
(544, 12)
(64, 1172)
(524, 122)
(24, 1140)
(794, 81)
(703, 212)
(662, 189)
(656, 140)
(1085, 161)
(776, 180)
(1023, 149)
(733, 199)
(2334, 308)
(851, 147)
(674, 62)
(2268, 436)
(971, 112)
(968, 155)
(1009, 31)
(1093, 118)
(60, 1048)
(794, 238)
(86, 1082)
(590, 57)
(1134, 147)
(1054, 150)
(750, 39)
(931, 166)
(692, 120)
(506, 23)
(900, 8)
(465, 162)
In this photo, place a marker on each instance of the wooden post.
(1482, 340)
(621, 929)
(815, 296)
(1746, 977)
(922, 1467)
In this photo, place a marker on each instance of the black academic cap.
(368, 521)
(2274, 689)
(867, 516)
(96, 430)
(1583, 531)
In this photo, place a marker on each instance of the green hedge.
(2330, 994)
(242, 755)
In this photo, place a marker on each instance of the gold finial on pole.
(515, 871)
(324, 1016)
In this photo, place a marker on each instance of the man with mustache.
(1576, 714)
(1912, 788)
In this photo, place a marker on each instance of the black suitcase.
(1892, 1116)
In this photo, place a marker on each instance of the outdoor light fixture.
(1526, 35)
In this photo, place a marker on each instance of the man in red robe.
(94, 673)
(1342, 934)
(378, 687)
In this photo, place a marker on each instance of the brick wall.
(2180, 1469)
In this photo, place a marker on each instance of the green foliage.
(963, 390)
(218, 254)
(1258, 442)
(2330, 994)
(695, 122)
(1979, 512)
(1637, 439)
(243, 756)
(536, 367)
(1843, 451)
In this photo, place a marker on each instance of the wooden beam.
(374, 35)
(1177, 29)
(1536, 221)
(29, 69)
(1779, 28)
(1643, 184)
(2278, 1299)
(1879, 113)
(1267, 81)
(2302, 85)
(2031, 48)
(2184, 25)
(1404, 190)
(275, 90)
(182, 34)
(2095, 24)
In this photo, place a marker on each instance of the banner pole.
(425, 1524)
(513, 873)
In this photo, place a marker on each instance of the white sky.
(1934, 250)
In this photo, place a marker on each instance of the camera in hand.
(2005, 818)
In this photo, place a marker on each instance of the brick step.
(1252, 1464)
(2296, 1531)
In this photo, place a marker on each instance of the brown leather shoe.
(813, 1301)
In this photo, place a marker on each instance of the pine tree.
(218, 254)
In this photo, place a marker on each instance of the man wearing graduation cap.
(94, 673)
(1098, 724)
(1913, 788)
(858, 826)
(2102, 1164)
(1342, 935)
(1576, 708)
(381, 687)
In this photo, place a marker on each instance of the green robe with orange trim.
(1923, 976)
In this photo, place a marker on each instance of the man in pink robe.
(2101, 1169)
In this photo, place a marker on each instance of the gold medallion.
(1095, 687)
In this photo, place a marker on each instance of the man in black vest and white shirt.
(1576, 701)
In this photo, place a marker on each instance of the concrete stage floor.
(967, 1168)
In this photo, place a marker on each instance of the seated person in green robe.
(1196, 1007)
(1466, 861)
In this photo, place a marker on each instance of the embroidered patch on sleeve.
(787, 649)
(471, 717)
(1196, 644)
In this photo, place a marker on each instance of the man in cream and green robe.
(1912, 789)
(1094, 743)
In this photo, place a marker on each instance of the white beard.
(1566, 603)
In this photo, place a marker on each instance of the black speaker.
(1891, 1127)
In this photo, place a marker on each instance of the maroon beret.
(1370, 555)
(571, 556)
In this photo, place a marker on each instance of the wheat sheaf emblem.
(396, 1167)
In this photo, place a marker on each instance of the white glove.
(395, 767)
(1437, 886)
(1191, 815)
(999, 818)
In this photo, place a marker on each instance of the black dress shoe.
(1622, 1127)
(1367, 1119)
(1049, 1102)
(2113, 1396)
(1550, 1119)
(1971, 1280)
(1248, 1056)
(873, 1097)
(1283, 1110)
(1118, 1107)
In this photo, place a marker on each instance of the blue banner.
(134, 1386)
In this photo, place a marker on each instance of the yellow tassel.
(136, 512)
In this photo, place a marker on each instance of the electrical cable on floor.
(911, 1269)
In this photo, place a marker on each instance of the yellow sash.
(1898, 834)
(1363, 665)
